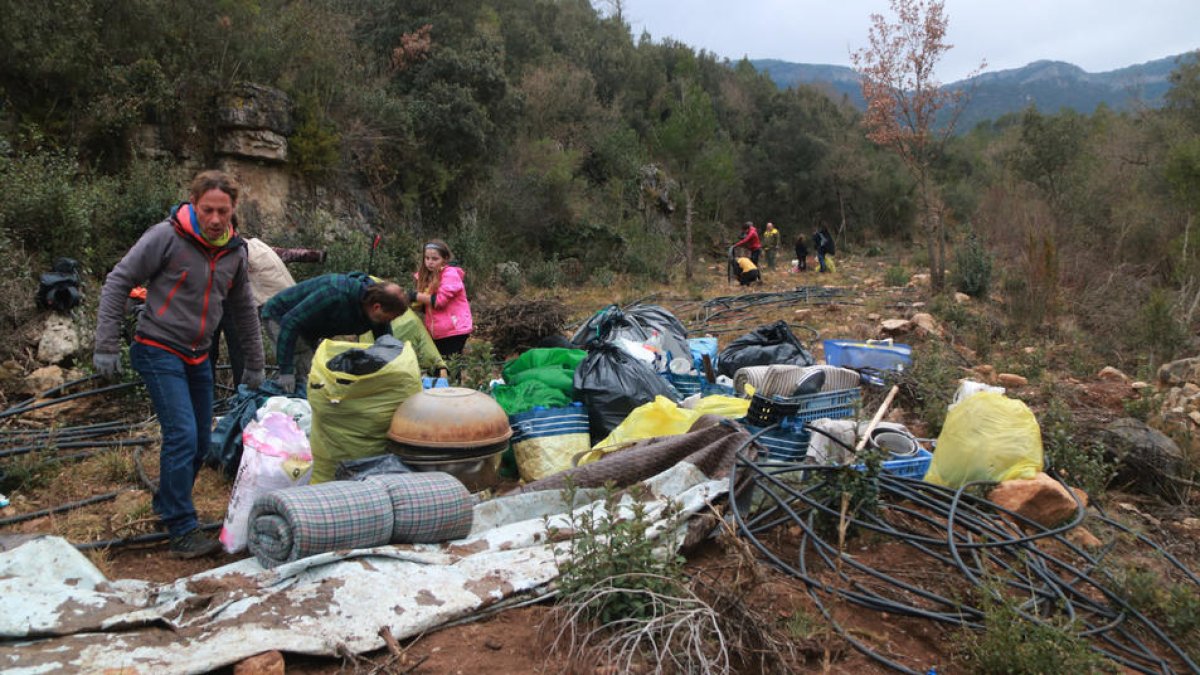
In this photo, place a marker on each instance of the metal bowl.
(450, 418)
(477, 472)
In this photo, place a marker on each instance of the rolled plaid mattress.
(294, 523)
(427, 507)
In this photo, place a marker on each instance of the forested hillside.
(543, 132)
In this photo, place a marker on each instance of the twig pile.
(520, 325)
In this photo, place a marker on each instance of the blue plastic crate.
(907, 467)
(875, 354)
(688, 385)
(781, 444)
(796, 410)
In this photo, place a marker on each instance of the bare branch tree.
(904, 99)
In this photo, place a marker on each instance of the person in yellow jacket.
(747, 271)
(770, 244)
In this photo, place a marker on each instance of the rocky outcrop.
(1040, 499)
(59, 340)
(254, 122)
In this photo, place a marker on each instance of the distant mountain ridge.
(1050, 85)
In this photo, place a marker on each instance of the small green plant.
(1174, 606)
(1161, 333)
(612, 544)
(117, 467)
(854, 492)
(510, 276)
(1142, 407)
(973, 273)
(475, 367)
(1081, 464)
(929, 386)
(1011, 643)
(895, 275)
(874, 251)
(546, 273)
(603, 276)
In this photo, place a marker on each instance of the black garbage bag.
(764, 346)
(369, 360)
(360, 469)
(637, 323)
(611, 383)
(58, 289)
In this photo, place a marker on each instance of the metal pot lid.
(450, 417)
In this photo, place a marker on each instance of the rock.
(961, 298)
(1190, 390)
(986, 373)
(1189, 524)
(59, 340)
(1083, 537)
(1140, 386)
(895, 326)
(1011, 380)
(1112, 374)
(1029, 350)
(254, 106)
(927, 323)
(254, 143)
(1145, 457)
(267, 663)
(873, 317)
(919, 280)
(42, 379)
(1176, 373)
(1040, 499)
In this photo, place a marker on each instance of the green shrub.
(511, 277)
(603, 276)
(1011, 643)
(973, 272)
(613, 545)
(1161, 333)
(1174, 606)
(1081, 464)
(896, 275)
(930, 385)
(546, 273)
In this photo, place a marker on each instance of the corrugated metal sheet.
(58, 613)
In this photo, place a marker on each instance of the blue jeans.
(183, 399)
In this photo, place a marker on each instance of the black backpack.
(58, 289)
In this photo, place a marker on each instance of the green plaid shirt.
(317, 308)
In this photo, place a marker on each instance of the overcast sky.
(1096, 35)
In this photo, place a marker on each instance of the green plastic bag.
(519, 398)
(553, 366)
(987, 437)
(352, 413)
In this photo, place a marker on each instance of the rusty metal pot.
(459, 431)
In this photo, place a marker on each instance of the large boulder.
(1147, 459)
(59, 340)
(1176, 373)
(1040, 499)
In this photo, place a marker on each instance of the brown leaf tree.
(904, 99)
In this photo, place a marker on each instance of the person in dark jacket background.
(801, 253)
(826, 249)
(299, 317)
(190, 264)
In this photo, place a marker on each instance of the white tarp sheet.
(58, 613)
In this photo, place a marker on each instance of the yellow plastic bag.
(352, 413)
(987, 437)
(660, 417)
(725, 406)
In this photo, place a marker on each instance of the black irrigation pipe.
(75, 445)
(97, 429)
(961, 531)
(69, 397)
(151, 538)
(62, 508)
(52, 391)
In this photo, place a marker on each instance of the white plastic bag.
(275, 455)
(296, 408)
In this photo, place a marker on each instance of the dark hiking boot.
(194, 544)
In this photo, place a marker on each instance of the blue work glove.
(253, 379)
(107, 365)
(287, 383)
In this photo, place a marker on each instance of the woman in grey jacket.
(189, 264)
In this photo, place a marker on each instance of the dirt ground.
(514, 641)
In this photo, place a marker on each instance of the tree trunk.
(687, 234)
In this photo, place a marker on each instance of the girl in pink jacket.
(440, 290)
